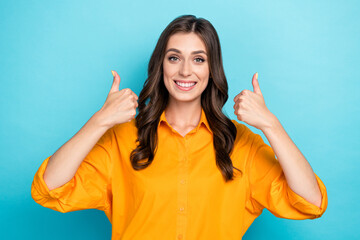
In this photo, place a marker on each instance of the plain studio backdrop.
(55, 63)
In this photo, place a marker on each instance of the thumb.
(255, 84)
(116, 82)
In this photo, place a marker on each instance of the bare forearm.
(298, 172)
(64, 163)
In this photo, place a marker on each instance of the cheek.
(205, 84)
(203, 71)
(169, 69)
(204, 74)
(166, 75)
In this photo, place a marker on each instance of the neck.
(183, 114)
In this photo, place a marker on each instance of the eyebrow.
(178, 51)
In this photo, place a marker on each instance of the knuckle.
(238, 114)
(123, 91)
(246, 92)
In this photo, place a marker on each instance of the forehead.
(186, 42)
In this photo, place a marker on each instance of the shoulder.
(244, 135)
(125, 131)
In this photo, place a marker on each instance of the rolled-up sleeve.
(89, 188)
(269, 188)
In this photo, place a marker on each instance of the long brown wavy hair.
(154, 97)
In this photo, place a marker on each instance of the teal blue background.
(55, 63)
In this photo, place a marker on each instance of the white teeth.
(185, 84)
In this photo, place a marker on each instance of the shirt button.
(180, 236)
(181, 209)
(182, 181)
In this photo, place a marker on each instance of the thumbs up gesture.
(120, 105)
(250, 107)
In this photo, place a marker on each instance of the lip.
(182, 81)
(185, 88)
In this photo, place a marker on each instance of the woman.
(169, 173)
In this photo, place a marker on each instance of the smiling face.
(185, 67)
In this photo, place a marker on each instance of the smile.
(185, 86)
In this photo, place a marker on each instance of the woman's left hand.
(250, 107)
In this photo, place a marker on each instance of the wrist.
(98, 121)
(271, 125)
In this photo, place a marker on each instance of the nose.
(185, 68)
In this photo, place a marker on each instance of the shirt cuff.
(39, 188)
(306, 207)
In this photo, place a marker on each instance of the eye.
(172, 58)
(199, 60)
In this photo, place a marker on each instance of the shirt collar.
(203, 120)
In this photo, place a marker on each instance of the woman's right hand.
(119, 107)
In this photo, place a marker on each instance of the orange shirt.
(182, 194)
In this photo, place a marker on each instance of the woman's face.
(185, 64)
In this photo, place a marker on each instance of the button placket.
(182, 211)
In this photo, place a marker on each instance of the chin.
(185, 98)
